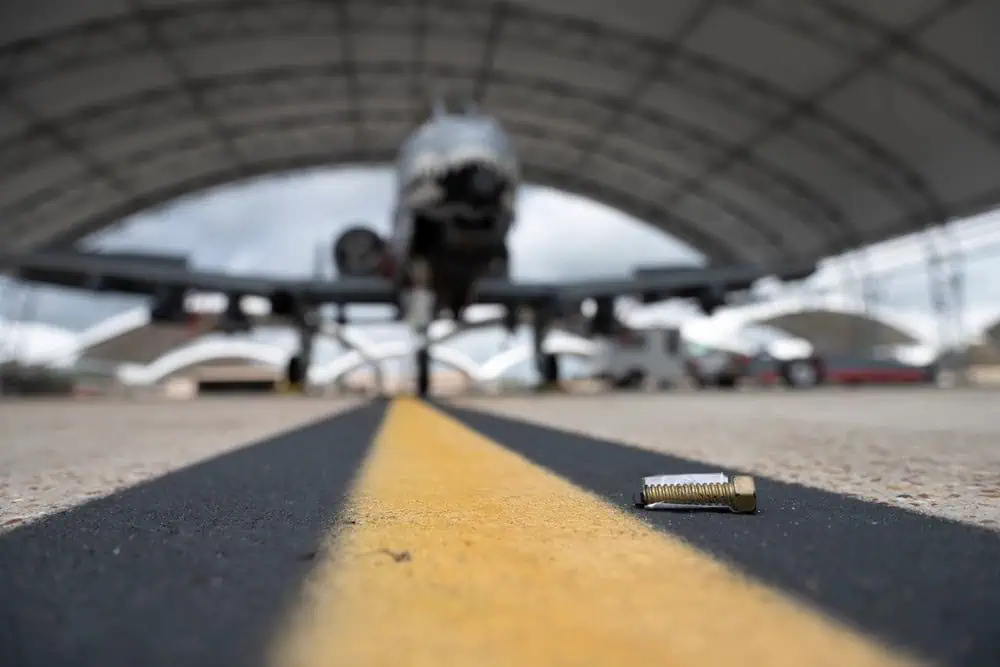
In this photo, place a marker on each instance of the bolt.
(738, 493)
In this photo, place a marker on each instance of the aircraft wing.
(155, 275)
(648, 286)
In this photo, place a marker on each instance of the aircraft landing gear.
(547, 364)
(421, 307)
(423, 359)
(548, 368)
(295, 373)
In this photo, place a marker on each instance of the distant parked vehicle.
(709, 366)
(878, 365)
(631, 357)
(803, 372)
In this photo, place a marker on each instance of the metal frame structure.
(753, 130)
(361, 352)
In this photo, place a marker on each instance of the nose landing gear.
(421, 307)
(295, 374)
(547, 364)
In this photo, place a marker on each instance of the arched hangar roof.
(752, 129)
(834, 321)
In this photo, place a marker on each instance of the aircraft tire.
(295, 372)
(728, 382)
(801, 374)
(423, 361)
(631, 381)
(549, 370)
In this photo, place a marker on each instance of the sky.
(274, 225)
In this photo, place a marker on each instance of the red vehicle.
(878, 365)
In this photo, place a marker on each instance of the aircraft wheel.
(423, 360)
(549, 370)
(631, 381)
(801, 374)
(295, 372)
(727, 382)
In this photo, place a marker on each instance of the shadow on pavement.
(198, 567)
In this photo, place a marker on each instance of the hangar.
(754, 130)
(835, 323)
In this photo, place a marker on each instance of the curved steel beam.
(833, 25)
(685, 230)
(923, 72)
(180, 72)
(808, 109)
(353, 360)
(494, 368)
(358, 342)
(161, 105)
(475, 373)
(768, 233)
(693, 19)
(728, 85)
(550, 32)
(187, 356)
(835, 303)
(158, 106)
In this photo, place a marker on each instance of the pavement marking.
(875, 566)
(456, 550)
(199, 566)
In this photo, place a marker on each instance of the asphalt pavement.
(195, 568)
(209, 564)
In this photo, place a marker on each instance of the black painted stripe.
(920, 583)
(197, 567)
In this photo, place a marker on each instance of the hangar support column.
(23, 305)
(946, 284)
(871, 296)
(858, 275)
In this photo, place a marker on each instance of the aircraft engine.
(169, 308)
(711, 299)
(360, 253)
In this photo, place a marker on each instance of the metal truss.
(361, 351)
(183, 77)
(834, 25)
(946, 290)
(927, 75)
(178, 29)
(644, 163)
(656, 68)
(806, 112)
(149, 110)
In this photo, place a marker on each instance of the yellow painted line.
(456, 551)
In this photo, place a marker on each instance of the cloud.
(562, 236)
(274, 226)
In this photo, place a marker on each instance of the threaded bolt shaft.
(739, 494)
